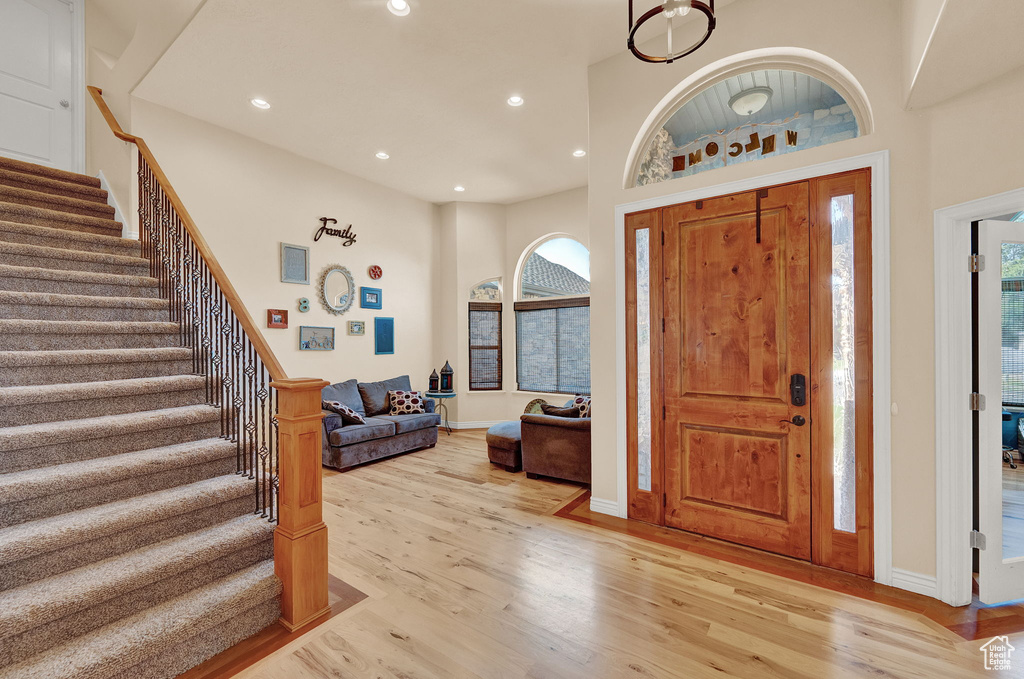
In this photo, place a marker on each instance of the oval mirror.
(337, 289)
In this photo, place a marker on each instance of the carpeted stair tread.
(75, 357)
(79, 391)
(18, 325)
(54, 201)
(76, 241)
(63, 532)
(116, 648)
(60, 187)
(44, 601)
(9, 250)
(80, 278)
(49, 172)
(70, 431)
(41, 216)
(53, 299)
(62, 478)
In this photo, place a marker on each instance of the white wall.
(248, 197)
(965, 149)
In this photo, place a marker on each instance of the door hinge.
(977, 540)
(977, 401)
(664, 500)
(663, 325)
(662, 237)
(976, 263)
(663, 412)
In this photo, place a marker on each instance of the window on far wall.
(553, 319)
(485, 336)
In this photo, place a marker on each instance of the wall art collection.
(336, 292)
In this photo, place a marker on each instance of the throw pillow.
(583, 404)
(405, 402)
(557, 411)
(348, 416)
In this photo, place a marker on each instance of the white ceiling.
(709, 111)
(347, 79)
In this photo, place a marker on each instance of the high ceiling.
(348, 79)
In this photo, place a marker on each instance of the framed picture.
(357, 327)
(277, 318)
(294, 264)
(371, 298)
(312, 338)
(383, 335)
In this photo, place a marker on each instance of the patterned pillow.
(348, 416)
(405, 402)
(583, 404)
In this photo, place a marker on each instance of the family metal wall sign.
(346, 234)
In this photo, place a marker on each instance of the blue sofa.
(349, 445)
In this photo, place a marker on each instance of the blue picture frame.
(311, 340)
(371, 298)
(383, 335)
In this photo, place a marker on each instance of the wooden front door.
(737, 330)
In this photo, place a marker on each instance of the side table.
(441, 396)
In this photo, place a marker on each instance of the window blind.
(1013, 341)
(484, 346)
(553, 346)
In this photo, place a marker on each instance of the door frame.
(953, 430)
(77, 9)
(878, 162)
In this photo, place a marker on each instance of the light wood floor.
(470, 575)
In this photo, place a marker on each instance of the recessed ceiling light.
(260, 103)
(515, 100)
(749, 102)
(579, 153)
(460, 188)
(398, 7)
(382, 155)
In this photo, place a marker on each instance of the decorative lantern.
(447, 381)
(434, 382)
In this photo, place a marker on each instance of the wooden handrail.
(248, 325)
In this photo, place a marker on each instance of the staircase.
(128, 544)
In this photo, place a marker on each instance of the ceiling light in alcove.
(398, 7)
(260, 103)
(515, 100)
(382, 155)
(579, 153)
(460, 188)
(748, 102)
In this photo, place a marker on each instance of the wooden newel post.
(300, 540)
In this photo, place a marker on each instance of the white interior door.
(37, 123)
(1001, 381)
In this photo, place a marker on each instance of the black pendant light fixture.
(668, 10)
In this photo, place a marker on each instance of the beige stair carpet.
(129, 546)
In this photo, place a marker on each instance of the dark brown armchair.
(558, 447)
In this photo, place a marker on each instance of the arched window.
(553, 318)
(746, 117)
(485, 336)
(557, 267)
(486, 291)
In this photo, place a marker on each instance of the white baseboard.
(609, 507)
(474, 425)
(914, 582)
(126, 227)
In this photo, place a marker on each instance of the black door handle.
(798, 420)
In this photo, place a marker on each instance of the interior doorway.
(998, 380)
(41, 82)
(756, 356)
